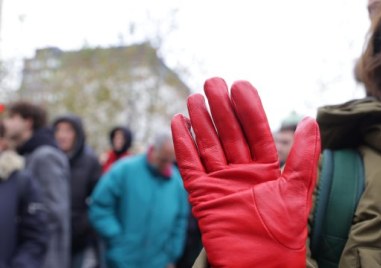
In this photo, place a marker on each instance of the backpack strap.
(323, 191)
(340, 188)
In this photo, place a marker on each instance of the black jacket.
(23, 233)
(85, 172)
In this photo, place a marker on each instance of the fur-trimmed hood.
(10, 161)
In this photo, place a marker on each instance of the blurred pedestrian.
(121, 141)
(23, 233)
(140, 209)
(85, 172)
(193, 244)
(25, 125)
(284, 137)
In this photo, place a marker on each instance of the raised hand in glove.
(250, 213)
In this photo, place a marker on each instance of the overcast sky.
(299, 54)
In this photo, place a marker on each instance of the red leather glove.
(250, 214)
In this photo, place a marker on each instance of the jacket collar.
(40, 137)
(10, 162)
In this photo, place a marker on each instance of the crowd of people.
(256, 198)
(63, 206)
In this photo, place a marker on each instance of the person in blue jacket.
(23, 218)
(140, 209)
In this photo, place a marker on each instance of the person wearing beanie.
(284, 137)
(121, 141)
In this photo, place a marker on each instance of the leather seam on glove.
(267, 228)
(311, 189)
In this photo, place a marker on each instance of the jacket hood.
(40, 137)
(10, 162)
(77, 124)
(348, 125)
(127, 137)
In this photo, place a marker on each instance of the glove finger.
(187, 155)
(228, 128)
(303, 158)
(208, 143)
(249, 110)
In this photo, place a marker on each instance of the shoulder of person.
(132, 160)
(127, 164)
(90, 155)
(45, 152)
(10, 162)
(48, 158)
(176, 176)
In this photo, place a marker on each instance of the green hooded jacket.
(357, 124)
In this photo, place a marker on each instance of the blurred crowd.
(62, 205)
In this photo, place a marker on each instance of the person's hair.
(128, 136)
(373, 7)
(370, 64)
(28, 110)
(160, 139)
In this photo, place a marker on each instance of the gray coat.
(51, 168)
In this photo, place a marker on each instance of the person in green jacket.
(357, 125)
(140, 209)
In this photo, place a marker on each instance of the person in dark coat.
(121, 141)
(23, 236)
(85, 172)
(193, 244)
(25, 125)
